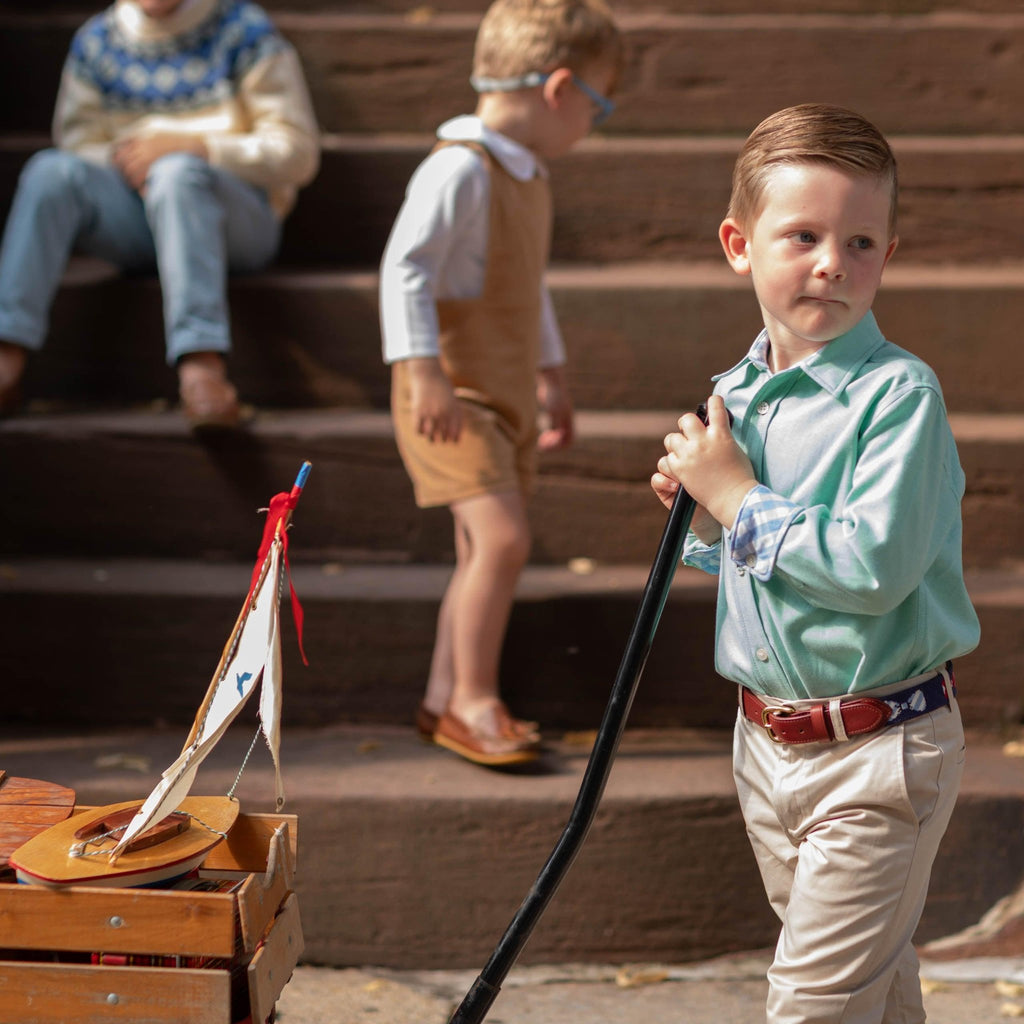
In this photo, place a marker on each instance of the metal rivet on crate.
(116, 922)
(113, 999)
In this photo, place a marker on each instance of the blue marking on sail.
(241, 679)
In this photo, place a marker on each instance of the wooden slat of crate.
(92, 919)
(261, 895)
(80, 994)
(247, 845)
(275, 960)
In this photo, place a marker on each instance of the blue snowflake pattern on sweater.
(193, 70)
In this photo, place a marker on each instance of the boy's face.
(816, 252)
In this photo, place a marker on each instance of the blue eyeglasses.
(604, 106)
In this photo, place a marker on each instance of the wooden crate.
(62, 950)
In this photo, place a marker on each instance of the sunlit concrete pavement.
(729, 990)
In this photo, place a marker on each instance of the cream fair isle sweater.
(216, 69)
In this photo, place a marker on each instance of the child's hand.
(134, 156)
(703, 523)
(553, 399)
(708, 463)
(435, 408)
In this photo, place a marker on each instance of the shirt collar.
(834, 365)
(519, 161)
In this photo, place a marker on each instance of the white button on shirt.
(438, 244)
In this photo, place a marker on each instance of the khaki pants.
(845, 835)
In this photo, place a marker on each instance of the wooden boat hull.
(28, 807)
(50, 858)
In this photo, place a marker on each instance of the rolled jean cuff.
(21, 331)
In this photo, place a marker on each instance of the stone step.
(663, 197)
(641, 198)
(127, 484)
(143, 636)
(638, 334)
(949, 72)
(410, 858)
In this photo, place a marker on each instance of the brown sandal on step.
(492, 740)
(426, 723)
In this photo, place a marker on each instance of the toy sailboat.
(170, 833)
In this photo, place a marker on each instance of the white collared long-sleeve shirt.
(843, 570)
(438, 244)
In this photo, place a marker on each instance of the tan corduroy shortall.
(490, 347)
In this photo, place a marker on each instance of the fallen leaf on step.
(583, 738)
(1009, 989)
(929, 985)
(421, 15)
(632, 977)
(1015, 748)
(582, 566)
(123, 762)
(1011, 1010)
(367, 746)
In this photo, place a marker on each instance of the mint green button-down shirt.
(843, 570)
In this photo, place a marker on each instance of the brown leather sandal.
(208, 398)
(426, 723)
(492, 740)
(12, 365)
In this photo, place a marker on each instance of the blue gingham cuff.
(706, 557)
(757, 533)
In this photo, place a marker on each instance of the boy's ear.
(892, 248)
(554, 88)
(734, 242)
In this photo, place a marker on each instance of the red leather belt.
(838, 719)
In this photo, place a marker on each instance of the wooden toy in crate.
(213, 949)
(116, 921)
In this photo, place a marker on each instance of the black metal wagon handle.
(473, 1008)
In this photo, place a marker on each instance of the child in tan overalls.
(470, 333)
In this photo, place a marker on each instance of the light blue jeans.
(194, 225)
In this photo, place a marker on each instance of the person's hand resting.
(134, 156)
(436, 410)
(554, 402)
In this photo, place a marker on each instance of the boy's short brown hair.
(520, 36)
(809, 133)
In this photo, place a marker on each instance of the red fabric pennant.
(280, 505)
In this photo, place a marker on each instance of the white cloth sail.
(252, 655)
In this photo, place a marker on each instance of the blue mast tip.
(300, 480)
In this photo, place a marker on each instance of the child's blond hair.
(520, 36)
(815, 133)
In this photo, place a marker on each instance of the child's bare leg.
(442, 661)
(496, 535)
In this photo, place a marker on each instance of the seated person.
(184, 130)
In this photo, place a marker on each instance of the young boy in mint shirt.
(830, 511)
